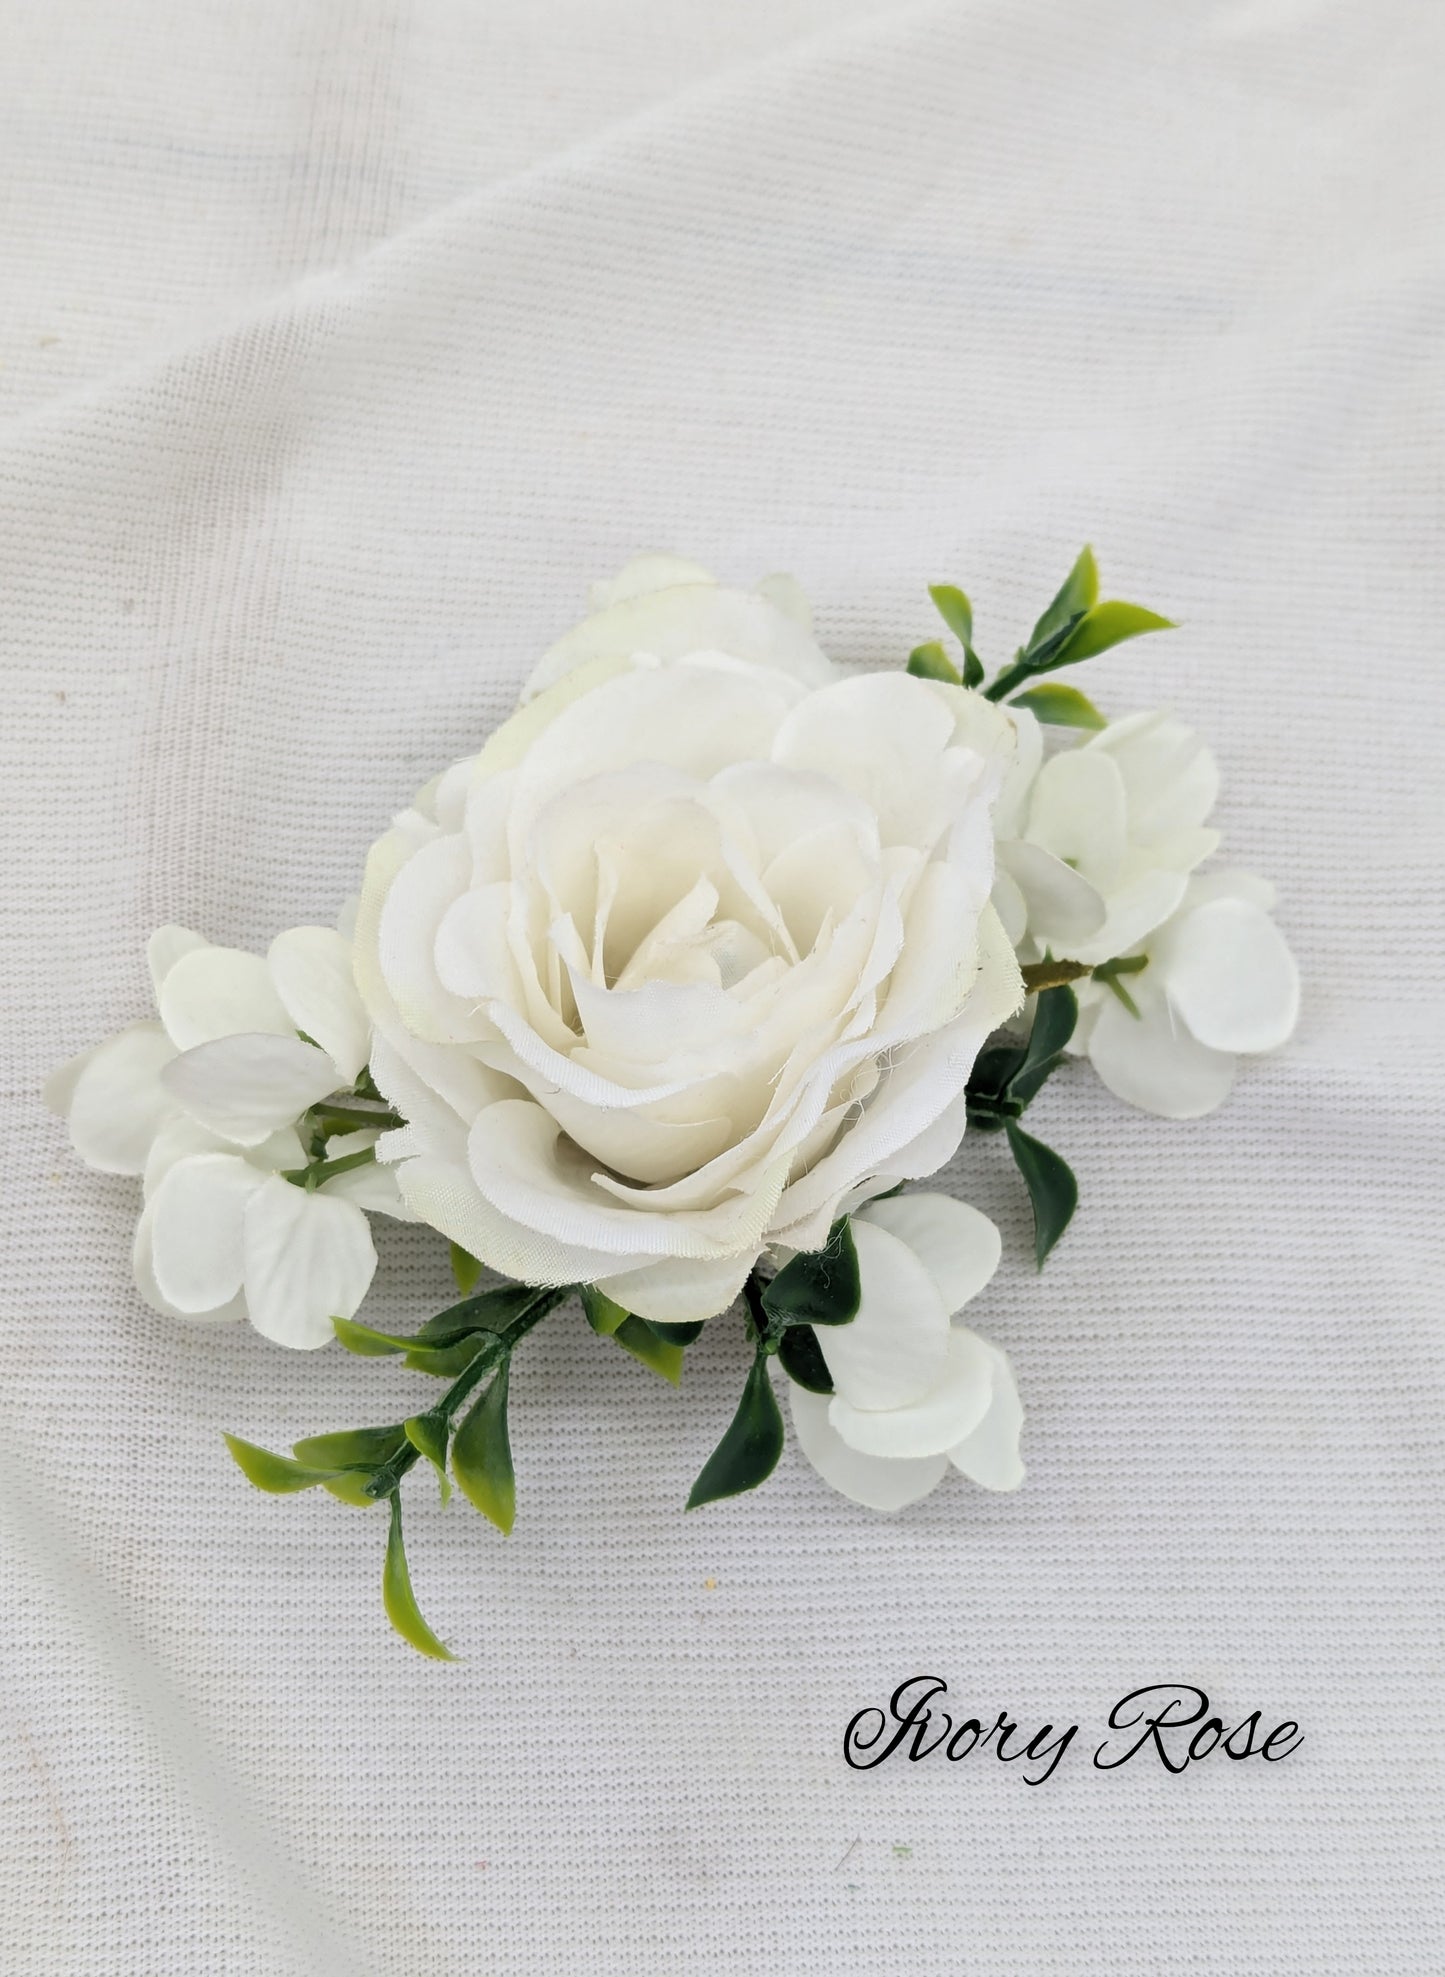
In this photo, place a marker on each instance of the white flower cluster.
(208, 1105)
(693, 958)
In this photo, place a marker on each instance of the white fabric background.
(340, 344)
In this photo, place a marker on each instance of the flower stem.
(318, 1171)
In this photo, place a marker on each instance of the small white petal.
(218, 992)
(1229, 974)
(1062, 906)
(248, 1087)
(958, 1246)
(895, 1349)
(950, 1410)
(1152, 1061)
(372, 1187)
(182, 1137)
(165, 948)
(142, 1264)
(1011, 906)
(196, 1216)
(990, 1455)
(311, 969)
(308, 1259)
(872, 1480)
(117, 1100)
(1078, 811)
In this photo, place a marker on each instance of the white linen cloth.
(342, 343)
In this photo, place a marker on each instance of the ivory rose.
(695, 954)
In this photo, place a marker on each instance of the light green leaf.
(818, 1287)
(1107, 625)
(277, 1474)
(602, 1314)
(352, 1448)
(366, 1342)
(399, 1600)
(428, 1434)
(955, 611)
(748, 1453)
(1052, 1188)
(1061, 706)
(646, 1344)
(931, 662)
(1079, 592)
(482, 1455)
(351, 1487)
(465, 1268)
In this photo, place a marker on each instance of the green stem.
(357, 1114)
(1009, 678)
(318, 1171)
(389, 1475)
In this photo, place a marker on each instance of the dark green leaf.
(482, 1455)
(352, 1448)
(1061, 706)
(931, 662)
(487, 1311)
(678, 1334)
(1107, 625)
(803, 1359)
(277, 1474)
(399, 1600)
(644, 1343)
(818, 1287)
(1056, 1011)
(603, 1315)
(428, 1434)
(1078, 593)
(748, 1453)
(955, 611)
(444, 1362)
(972, 669)
(994, 1070)
(1052, 1188)
(465, 1268)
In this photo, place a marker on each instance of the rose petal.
(959, 1247)
(874, 1481)
(686, 618)
(220, 992)
(653, 570)
(311, 968)
(1152, 1061)
(196, 1217)
(308, 1258)
(1229, 975)
(117, 1100)
(894, 1351)
(989, 1456)
(248, 1087)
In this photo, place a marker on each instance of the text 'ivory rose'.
(695, 954)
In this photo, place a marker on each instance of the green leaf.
(644, 1343)
(482, 1455)
(972, 669)
(487, 1311)
(366, 1342)
(465, 1268)
(1052, 1188)
(602, 1314)
(955, 611)
(352, 1448)
(399, 1600)
(351, 1486)
(428, 1435)
(1061, 706)
(678, 1334)
(748, 1453)
(803, 1359)
(1107, 625)
(931, 662)
(277, 1474)
(444, 1362)
(818, 1287)
(1056, 1011)
(1078, 593)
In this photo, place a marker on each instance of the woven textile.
(341, 343)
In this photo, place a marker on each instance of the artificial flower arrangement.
(663, 1001)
